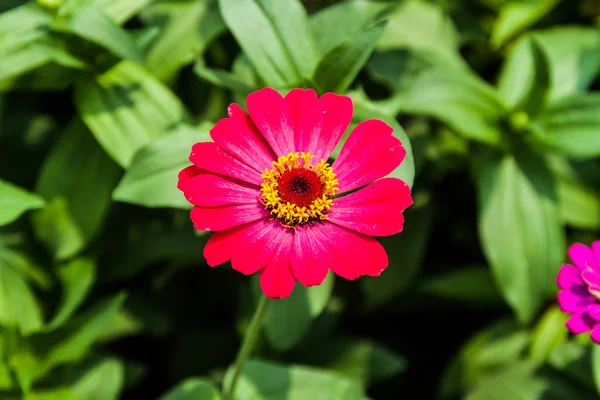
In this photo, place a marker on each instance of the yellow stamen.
(290, 214)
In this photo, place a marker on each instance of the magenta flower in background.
(580, 289)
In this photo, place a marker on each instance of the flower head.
(580, 289)
(276, 204)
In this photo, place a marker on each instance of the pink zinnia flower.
(278, 208)
(580, 294)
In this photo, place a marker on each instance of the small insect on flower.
(278, 207)
(580, 289)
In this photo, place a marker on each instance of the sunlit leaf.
(261, 381)
(516, 16)
(125, 108)
(92, 24)
(571, 125)
(189, 29)
(151, 180)
(193, 389)
(276, 37)
(76, 279)
(520, 227)
(14, 201)
(525, 78)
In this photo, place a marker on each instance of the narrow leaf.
(276, 37)
(525, 78)
(125, 108)
(337, 70)
(92, 24)
(14, 201)
(77, 179)
(151, 180)
(520, 227)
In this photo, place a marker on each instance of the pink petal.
(209, 190)
(210, 157)
(310, 257)
(276, 279)
(596, 251)
(370, 153)
(581, 255)
(571, 302)
(591, 278)
(186, 174)
(304, 107)
(221, 218)
(580, 323)
(239, 136)
(568, 276)
(335, 114)
(375, 210)
(351, 254)
(254, 251)
(221, 245)
(273, 118)
(593, 310)
(596, 334)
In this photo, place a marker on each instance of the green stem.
(248, 344)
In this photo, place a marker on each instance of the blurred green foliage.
(104, 293)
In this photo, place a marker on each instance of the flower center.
(296, 192)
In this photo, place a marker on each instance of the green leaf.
(193, 389)
(92, 24)
(120, 10)
(574, 360)
(596, 366)
(29, 57)
(487, 351)
(14, 201)
(151, 180)
(549, 333)
(223, 78)
(520, 227)
(464, 102)
(337, 70)
(341, 22)
(18, 305)
(405, 31)
(189, 29)
(125, 108)
(571, 125)
(73, 340)
(469, 284)
(516, 378)
(103, 381)
(289, 319)
(406, 251)
(364, 361)
(579, 201)
(517, 16)
(276, 37)
(76, 178)
(77, 278)
(574, 55)
(398, 68)
(525, 77)
(261, 381)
